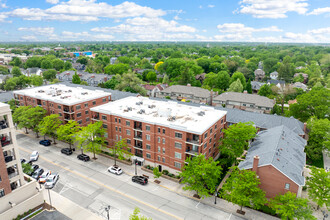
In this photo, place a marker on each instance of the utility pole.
(107, 209)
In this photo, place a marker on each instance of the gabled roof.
(259, 72)
(275, 81)
(280, 148)
(148, 87)
(196, 91)
(246, 98)
(256, 85)
(275, 73)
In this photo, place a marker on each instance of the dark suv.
(140, 179)
(83, 157)
(45, 142)
(66, 151)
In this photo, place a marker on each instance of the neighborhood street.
(92, 187)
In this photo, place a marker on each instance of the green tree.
(83, 83)
(166, 80)
(46, 64)
(240, 76)
(27, 168)
(249, 87)
(58, 64)
(223, 80)
(4, 70)
(201, 175)
(16, 71)
(314, 103)
(49, 74)
(265, 90)
(10, 84)
(113, 82)
(318, 185)
(32, 117)
(236, 86)
(236, 139)
(319, 137)
(13, 104)
(82, 60)
(136, 216)
(131, 83)
(269, 64)
(67, 132)
(151, 76)
(157, 173)
(289, 206)
(76, 79)
(16, 61)
(19, 117)
(36, 80)
(114, 69)
(120, 150)
(49, 126)
(67, 65)
(242, 188)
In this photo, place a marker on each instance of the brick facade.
(4, 179)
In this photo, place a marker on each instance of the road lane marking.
(197, 205)
(105, 186)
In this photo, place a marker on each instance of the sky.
(293, 21)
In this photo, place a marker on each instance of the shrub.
(148, 167)
(167, 97)
(304, 188)
(165, 172)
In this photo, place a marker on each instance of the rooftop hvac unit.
(141, 111)
(151, 106)
(201, 113)
(139, 103)
(41, 91)
(171, 118)
(84, 93)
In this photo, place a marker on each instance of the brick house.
(277, 156)
(162, 133)
(71, 103)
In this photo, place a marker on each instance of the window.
(267, 108)
(215, 135)
(59, 107)
(220, 130)
(0, 179)
(205, 136)
(244, 104)
(94, 102)
(119, 121)
(158, 149)
(128, 123)
(211, 131)
(120, 138)
(158, 158)
(178, 145)
(163, 150)
(104, 117)
(104, 100)
(214, 145)
(148, 147)
(210, 140)
(109, 98)
(205, 145)
(60, 114)
(158, 130)
(80, 121)
(86, 105)
(2, 193)
(116, 128)
(78, 115)
(287, 186)
(105, 126)
(33, 100)
(117, 137)
(148, 155)
(177, 155)
(115, 119)
(78, 107)
(148, 137)
(178, 135)
(221, 121)
(86, 112)
(147, 127)
(119, 129)
(163, 130)
(106, 135)
(163, 159)
(128, 141)
(163, 140)
(210, 150)
(215, 127)
(128, 132)
(21, 97)
(158, 139)
(87, 119)
(177, 165)
(44, 103)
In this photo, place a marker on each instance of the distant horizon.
(281, 21)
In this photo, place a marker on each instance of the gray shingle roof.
(196, 91)
(281, 148)
(246, 98)
(6, 96)
(256, 85)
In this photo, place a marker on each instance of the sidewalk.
(165, 183)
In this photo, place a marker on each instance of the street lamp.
(50, 200)
(107, 209)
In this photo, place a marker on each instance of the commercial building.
(71, 103)
(162, 133)
(11, 174)
(277, 156)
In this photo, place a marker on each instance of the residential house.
(300, 85)
(274, 75)
(245, 101)
(113, 60)
(78, 66)
(3, 77)
(277, 156)
(153, 91)
(193, 94)
(304, 75)
(33, 71)
(256, 86)
(259, 75)
(200, 77)
(95, 79)
(277, 83)
(66, 75)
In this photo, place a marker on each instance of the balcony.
(5, 140)
(140, 146)
(3, 124)
(137, 126)
(192, 150)
(67, 110)
(96, 117)
(139, 137)
(193, 139)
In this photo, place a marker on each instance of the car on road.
(140, 179)
(45, 142)
(34, 156)
(24, 161)
(43, 177)
(36, 174)
(83, 157)
(115, 169)
(51, 181)
(35, 167)
(66, 151)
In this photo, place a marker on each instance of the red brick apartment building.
(162, 133)
(71, 103)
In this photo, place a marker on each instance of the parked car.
(83, 157)
(115, 169)
(45, 142)
(8, 158)
(51, 181)
(35, 167)
(36, 174)
(44, 176)
(34, 156)
(23, 160)
(140, 179)
(66, 151)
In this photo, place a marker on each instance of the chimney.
(255, 164)
(188, 84)
(245, 92)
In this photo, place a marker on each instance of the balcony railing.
(138, 155)
(3, 124)
(192, 151)
(5, 141)
(138, 146)
(193, 141)
(138, 128)
(138, 137)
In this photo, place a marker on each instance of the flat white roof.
(63, 94)
(170, 114)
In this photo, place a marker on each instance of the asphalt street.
(91, 186)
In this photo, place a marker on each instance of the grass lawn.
(317, 163)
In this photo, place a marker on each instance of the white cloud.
(85, 36)
(241, 28)
(176, 17)
(211, 6)
(3, 17)
(86, 10)
(320, 31)
(319, 11)
(52, 1)
(45, 31)
(200, 7)
(272, 8)
(29, 38)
